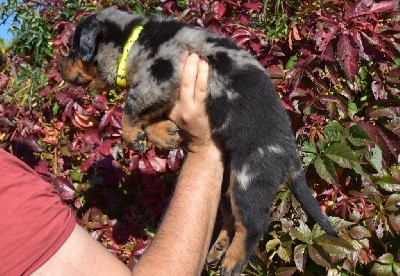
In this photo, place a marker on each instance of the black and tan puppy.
(246, 115)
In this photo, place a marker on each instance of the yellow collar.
(121, 72)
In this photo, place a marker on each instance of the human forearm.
(186, 230)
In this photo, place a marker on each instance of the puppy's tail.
(309, 203)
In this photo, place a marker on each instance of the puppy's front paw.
(139, 143)
(163, 134)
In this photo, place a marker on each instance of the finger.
(183, 62)
(189, 75)
(201, 82)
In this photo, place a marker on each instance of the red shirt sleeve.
(34, 221)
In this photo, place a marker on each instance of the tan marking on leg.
(222, 242)
(235, 256)
(164, 134)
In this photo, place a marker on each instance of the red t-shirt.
(34, 222)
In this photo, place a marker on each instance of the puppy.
(246, 115)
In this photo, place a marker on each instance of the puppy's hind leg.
(225, 236)
(250, 207)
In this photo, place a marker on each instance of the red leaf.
(219, 9)
(112, 118)
(42, 168)
(30, 141)
(91, 137)
(387, 140)
(378, 90)
(348, 55)
(140, 247)
(145, 166)
(105, 147)
(134, 162)
(256, 6)
(159, 164)
(233, 3)
(175, 159)
(87, 163)
(100, 102)
(365, 7)
(325, 34)
(243, 18)
(64, 188)
(45, 91)
(3, 80)
(241, 40)
(241, 33)
(255, 45)
(374, 47)
(83, 121)
(65, 30)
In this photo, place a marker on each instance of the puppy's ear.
(88, 39)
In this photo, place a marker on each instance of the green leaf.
(291, 62)
(333, 245)
(395, 222)
(319, 256)
(182, 4)
(300, 256)
(342, 155)
(55, 108)
(316, 231)
(397, 61)
(382, 270)
(388, 183)
(339, 224)
(359, 232)
(77, 176)
(309, 152)
(302, 233)
(396, 268)
(326, 169)
(376, 159)
(285, 253)
(391, 202)
(271, 244)
(285, 271)
(352, 109)
(386, 259)
(358, 136)
(283, 207)
(309, 147)
(334, 132)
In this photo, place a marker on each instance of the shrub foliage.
(336, 66)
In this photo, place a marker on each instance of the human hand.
(190, 112)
